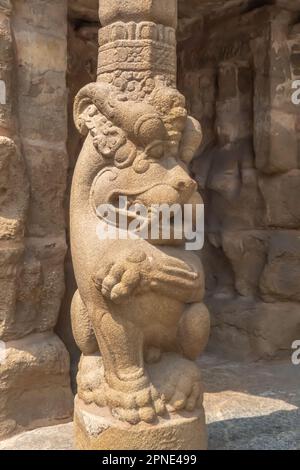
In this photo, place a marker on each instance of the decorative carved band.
(135, 31)
(137, 56)
(137, 47)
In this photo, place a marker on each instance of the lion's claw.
(142, 405)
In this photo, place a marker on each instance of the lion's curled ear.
(93, 94)
(138, 120)
(191, 139)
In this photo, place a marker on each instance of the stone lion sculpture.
(139, 301)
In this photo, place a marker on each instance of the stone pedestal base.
(96, 429)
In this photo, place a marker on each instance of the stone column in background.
(139, 302)
(238, 76)
(34, 374)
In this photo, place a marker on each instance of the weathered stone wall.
(34, 377)
(237, 61)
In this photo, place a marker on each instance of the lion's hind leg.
(82, 327)
(193, 330)
(129, 392)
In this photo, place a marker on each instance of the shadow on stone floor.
(248, 406)
(276, 431)
(251, 405)
(277, 380)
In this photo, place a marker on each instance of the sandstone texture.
(253, 406)
(139, 298)
(237, 61)
(96, 429)
(34, 376)
(34, 383)
(239, 86)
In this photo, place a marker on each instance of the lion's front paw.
(134, 407)
(123, 277)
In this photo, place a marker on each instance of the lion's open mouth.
(132, 193)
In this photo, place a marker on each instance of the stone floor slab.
(248, 406)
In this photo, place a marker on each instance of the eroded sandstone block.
(34, 378)
(34, 383)
(248, 173)
(280, 278)
(96, 429)
(280, 194)
(258, 330)
(247, 252)
(275, 116)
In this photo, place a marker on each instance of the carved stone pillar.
(138, 315)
